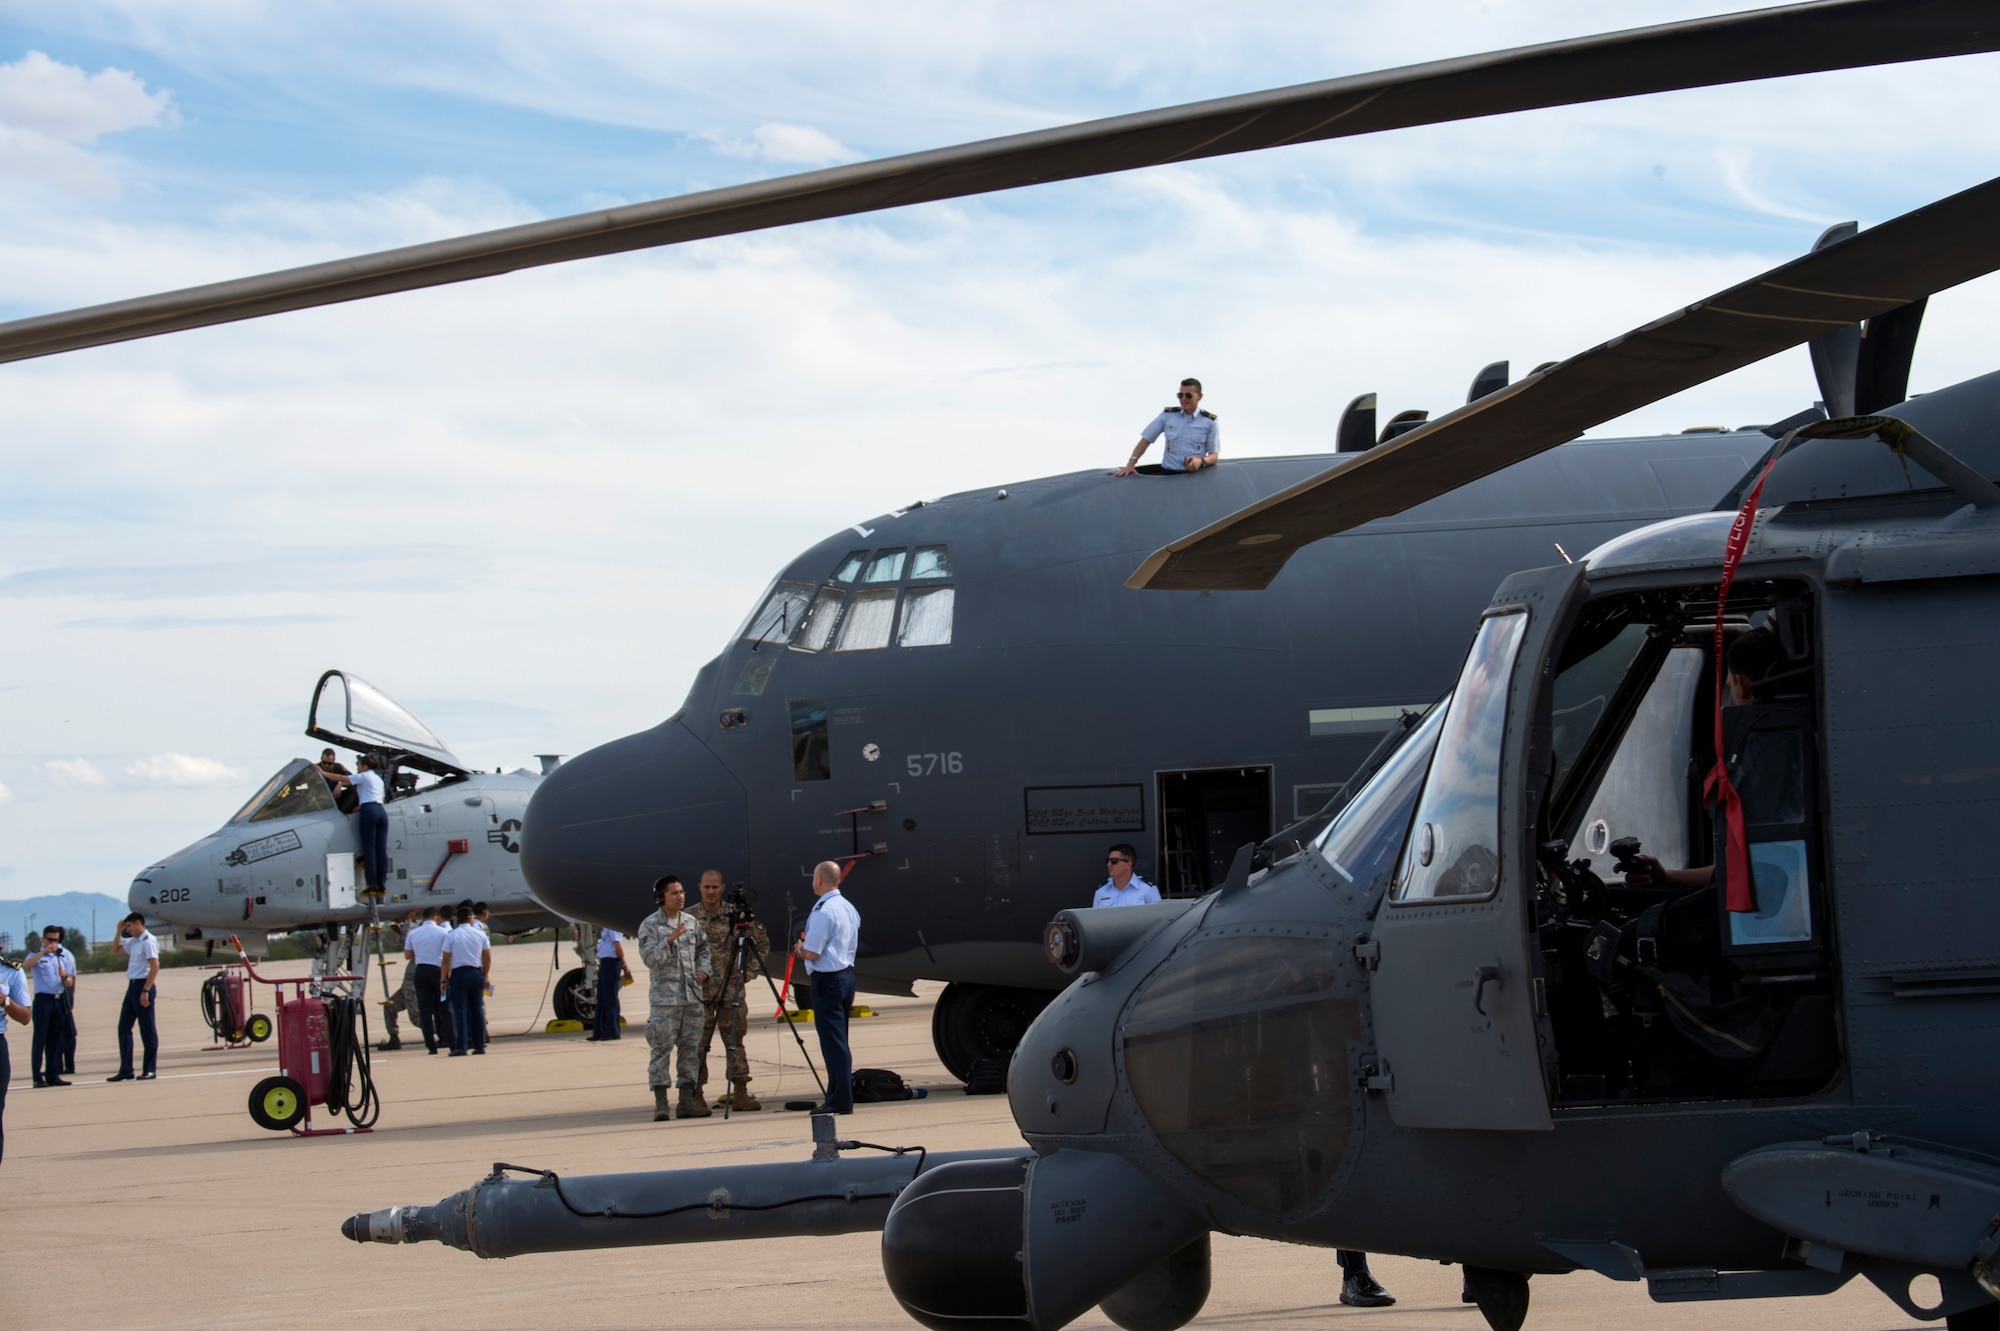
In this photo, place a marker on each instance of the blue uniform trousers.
(69, 1033)
(149, 1033)
(610, 974)
(428, 1003)
(51, 1024)
(833, 994)
(374, 830)
(468, 1009)
(6, 1075)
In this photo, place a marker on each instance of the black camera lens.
(1064, 1065)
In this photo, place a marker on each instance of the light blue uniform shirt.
(1187, 436)
(467, 945)
(607, 943)
(16, 986)
(833, 930)
(426, 943)
(46, 972)
(1138, 892)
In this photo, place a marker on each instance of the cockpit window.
(1583, 691)
(297, 789)
(1454, 845)
(926, 617)
(869, 620)
(780, 617)
(850, 567)
(886, 566)
(817, 630)
(1364, 841)
(931, 561)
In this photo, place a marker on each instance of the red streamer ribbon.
(1718, 791)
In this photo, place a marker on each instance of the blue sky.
(537, 504)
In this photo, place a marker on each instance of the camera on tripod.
(739, 899)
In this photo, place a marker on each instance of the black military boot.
(1358, 1289)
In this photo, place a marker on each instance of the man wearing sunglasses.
(1194, 440)
(1123, 887)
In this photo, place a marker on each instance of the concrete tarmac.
(160, 1204)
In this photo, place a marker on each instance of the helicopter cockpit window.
(781, 615)
(1583, 693)
(926, 617)
(850, 567)
(297, 789)
(817, 630)
(886, 566)
(1272, 1131)
(869, 620)
(931, 561)
(1363, 842)
(1454, 846)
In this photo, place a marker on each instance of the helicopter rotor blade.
(1887, 268)
(1730, 48)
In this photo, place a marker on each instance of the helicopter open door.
(1457, 990)
(347, 709)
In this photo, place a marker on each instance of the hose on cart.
(350, 1087)
(214, 1003)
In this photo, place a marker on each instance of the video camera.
(739, 899)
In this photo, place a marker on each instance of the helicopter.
(1448, 1035)
(288, 859)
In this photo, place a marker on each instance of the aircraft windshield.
(1364, 842)
(350, 709)
(297, 788)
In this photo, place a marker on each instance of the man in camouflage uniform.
(719, 1007)
(674, 947)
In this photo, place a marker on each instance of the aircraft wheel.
(972, 1022)
(277, 1103)
(571, 1005)
(1502, 1296)
(258, 1028)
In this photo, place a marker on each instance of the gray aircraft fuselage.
(1065, 706)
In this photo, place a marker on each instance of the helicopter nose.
(603, 827)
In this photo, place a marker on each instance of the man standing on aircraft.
(14, 1001)
(833, 933)
(1123, 887)
(423, 952)
(1194, 439)
(719, 1005)
(610, 975)
(142, 974)
(51, 972)
(674, 947)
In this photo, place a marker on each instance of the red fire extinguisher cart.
(225, 1006)
(322, 1057)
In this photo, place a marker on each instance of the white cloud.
(75, 774)
(6, 795)
(51, 113)
(180, 769)
(792, 145)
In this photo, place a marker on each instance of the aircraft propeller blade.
(1887, 268)
(1731, 48)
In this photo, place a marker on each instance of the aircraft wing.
(1730, 48)
(1908, 258)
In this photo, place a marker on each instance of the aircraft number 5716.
(930, 764)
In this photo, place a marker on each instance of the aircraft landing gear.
(973, 1023)
(576, 997)
(1502, 1296)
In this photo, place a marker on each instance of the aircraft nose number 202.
(931, 764)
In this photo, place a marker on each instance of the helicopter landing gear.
(576, 997)
(973, 1023)
(1502, 1296)
(1164, 1296)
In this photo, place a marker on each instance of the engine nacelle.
(1035, 1241)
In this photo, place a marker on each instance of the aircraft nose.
(605, 825)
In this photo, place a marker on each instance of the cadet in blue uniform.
(1194, 439)
(610, 974)
(1123, 887)
(833, 931)
(51, 971)
(14, 1001)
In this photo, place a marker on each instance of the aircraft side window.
(850, 567)
(930, 561)
(1365, 840)
(886, 566)
(302, 791)
(779, 619)
(1454, 844)
(869, 621)
(926, 617)
(809, 740)
(817, 630)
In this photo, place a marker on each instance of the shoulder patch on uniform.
(1170, 411)
(1209, 414)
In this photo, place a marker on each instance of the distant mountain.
(69, 909)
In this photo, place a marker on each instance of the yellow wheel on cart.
(277, 1103)
(258, 1028)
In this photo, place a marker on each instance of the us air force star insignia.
(871, 751)
(503, 836)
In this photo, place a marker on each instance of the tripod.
(738, 964)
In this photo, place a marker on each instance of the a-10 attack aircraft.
(289, 858)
